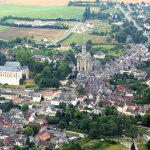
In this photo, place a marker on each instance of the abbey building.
(84, 61)
(12, 72)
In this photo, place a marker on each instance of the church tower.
(84, 60)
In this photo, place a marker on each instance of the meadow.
(80, 38)
(97, 145)
(42, 12)
(101, 26)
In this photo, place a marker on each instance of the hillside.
(51, 2)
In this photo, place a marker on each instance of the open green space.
(108, 47)
(80, 38)
(102, 26)
(43, 12)
(98, 145)
(142, 147)
(111, 10)
(3, 28)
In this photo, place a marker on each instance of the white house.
(51, 109)
(12, 72)
(99, 55)
(37, 97)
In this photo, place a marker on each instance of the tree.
(25, 108)
(23, 57)
(28, 131)
(72, 146)
(62, 105)
(111, 110)
(52, 120)
(133, 132)
(133, 147)
(2, 59)
(7, 106)
(81, 90)
(62, 125)
(87, 12)
(121, 37)
(63, 70)
(146, 120)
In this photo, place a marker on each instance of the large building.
(12, 72)
(84, 61)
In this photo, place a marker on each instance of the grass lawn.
(111, 10)
(80, 38)
(104, 46)
(98, 145)
(46, 12)
(3, 28)
(142, 147)
(102, 26)
(116, 147)
(28, 84)
(146, 68)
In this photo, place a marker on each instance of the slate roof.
(12, 67)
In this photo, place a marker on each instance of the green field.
(102, 26)
(43, 12)
(142, 147)
(80, 38)
(111, 10)
(3, 28)
(97, 145)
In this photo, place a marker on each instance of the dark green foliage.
(128, 29)
(25, 108)
(146, 120)
(81, 90)
(87, 12)
(52, 120)
(2, 59)
(133, 132)
(62, 125)
(49, 76)
(30, 130)
(121, 37)
(111, 110)
(7, 106)
(72, 146)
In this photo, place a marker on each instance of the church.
(12, 72)
(84, 61)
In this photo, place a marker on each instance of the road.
(4, 40)
(69, 33)
(129, 18)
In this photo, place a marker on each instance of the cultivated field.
(47, 12)
(53, 2)
(38, 34)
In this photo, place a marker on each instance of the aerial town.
(75, 76)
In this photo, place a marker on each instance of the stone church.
(84, 61)
(12, 72)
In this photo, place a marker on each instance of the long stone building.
(12, 72)
(84, 61)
